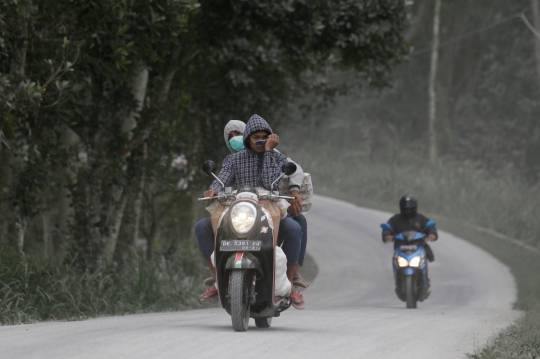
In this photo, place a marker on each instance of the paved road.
(352, 309)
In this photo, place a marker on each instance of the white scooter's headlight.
(243, 216)
(416, 261)
(402, 262)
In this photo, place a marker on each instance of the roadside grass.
(31, 291)
(468, 202)
(520, 341)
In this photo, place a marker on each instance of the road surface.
(352, 311)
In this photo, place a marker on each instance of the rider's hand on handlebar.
(272, 142)
(296, 204)
(432, 237)
(209, 193)
(388, 238)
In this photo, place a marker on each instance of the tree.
(167, 75)
(536, 19)
(433, 83)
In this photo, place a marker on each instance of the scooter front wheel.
(238, 291)
(410, 295)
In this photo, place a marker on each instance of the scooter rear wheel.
(238, 292)
(263, 322)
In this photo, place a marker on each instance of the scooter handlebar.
(286, 197)
(218, 197)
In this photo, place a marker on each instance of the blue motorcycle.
(410, 265)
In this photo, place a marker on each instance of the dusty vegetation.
(464, 199)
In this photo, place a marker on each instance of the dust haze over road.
(352, 311)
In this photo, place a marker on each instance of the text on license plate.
(409, 247)
(240, 245)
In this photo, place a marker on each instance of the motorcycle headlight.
(243, 217)
(402, 262)
(416, 261)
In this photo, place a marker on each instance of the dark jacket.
(401, 223)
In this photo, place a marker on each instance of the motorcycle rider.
(258, 166)
(233, 136)
(410, 220)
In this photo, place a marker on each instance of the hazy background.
(376, 145)
(108, 110)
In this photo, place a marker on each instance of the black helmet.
(408, 205)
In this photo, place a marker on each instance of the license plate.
(230, 245)
(409, 247)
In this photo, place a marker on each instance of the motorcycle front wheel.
(238, 291)
(410, 296)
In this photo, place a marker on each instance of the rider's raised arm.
(226, 175)
(271, 169)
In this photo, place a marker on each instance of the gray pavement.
(352, 311)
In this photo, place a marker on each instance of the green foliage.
(98, 97)
(31, 291)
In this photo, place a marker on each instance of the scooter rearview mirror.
(386, 226)
(288, 168)
(209, 167)
(431, 224)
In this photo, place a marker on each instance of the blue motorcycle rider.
(410, 220)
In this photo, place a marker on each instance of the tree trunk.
(47, 234)
(17, 72)
(416, 23)
(5, 182)
(432, 85)
(138, 89)
(138, 201)
(120, 194)
(113, 228)
(59, 238)
(535, 4)
(20, 226)
(18, 57)
(93, 193)
(151, 228)
(3, 232)
(531, 154)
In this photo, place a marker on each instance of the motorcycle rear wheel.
(263, 322)
(238, 291)
(409, 292)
